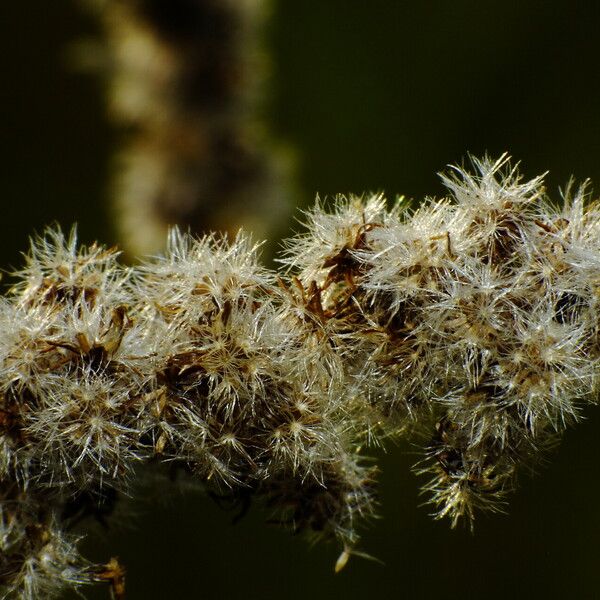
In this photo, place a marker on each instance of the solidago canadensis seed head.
(470, 323)
(476, 314)
(69, 367)
(230, 401)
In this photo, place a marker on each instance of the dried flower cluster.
(471, 323)
(476, 316)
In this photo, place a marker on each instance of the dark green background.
(374, 95)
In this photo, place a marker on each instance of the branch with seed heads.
(470, 323)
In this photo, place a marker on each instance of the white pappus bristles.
(471, 323)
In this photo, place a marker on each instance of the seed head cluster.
(474, 317)
(470, 324)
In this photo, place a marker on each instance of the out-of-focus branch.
(185, 84)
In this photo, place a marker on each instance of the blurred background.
(355, 96)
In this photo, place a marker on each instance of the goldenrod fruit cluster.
(470, 323)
